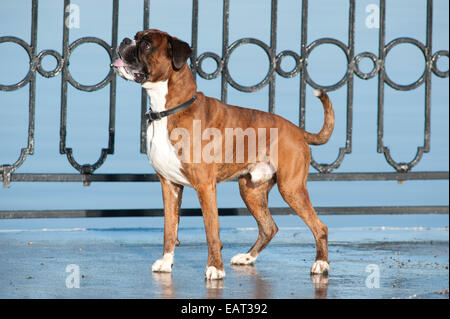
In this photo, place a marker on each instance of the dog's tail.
(328, 126)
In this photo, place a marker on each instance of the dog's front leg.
(172, 194)
(207, 197)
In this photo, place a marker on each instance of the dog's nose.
(126, 41)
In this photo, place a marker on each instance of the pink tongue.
(118, 63)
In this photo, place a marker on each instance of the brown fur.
(293, 158)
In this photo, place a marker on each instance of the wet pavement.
(372, 256)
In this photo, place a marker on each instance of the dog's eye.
(147, 46)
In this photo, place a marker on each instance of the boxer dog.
(157, 61)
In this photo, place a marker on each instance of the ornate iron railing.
(324, 170)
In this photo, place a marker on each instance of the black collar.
(155, 116)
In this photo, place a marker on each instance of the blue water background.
(88, 113)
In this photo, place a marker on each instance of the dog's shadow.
(262, 288)
(165, 281)
(320, 284)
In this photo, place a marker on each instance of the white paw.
(243, 259)
(212, 273)
(320, 267)
(164, 264)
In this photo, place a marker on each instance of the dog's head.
(150, 57)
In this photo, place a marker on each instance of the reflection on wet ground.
(260, 288)
(370, 257)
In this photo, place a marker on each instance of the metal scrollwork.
(275, 59)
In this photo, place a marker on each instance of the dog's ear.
(180, 52)
(138, 35)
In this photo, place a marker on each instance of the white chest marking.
(160, 151)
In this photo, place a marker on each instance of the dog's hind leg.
(292, 188)
(255, 197)
(299, 201)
